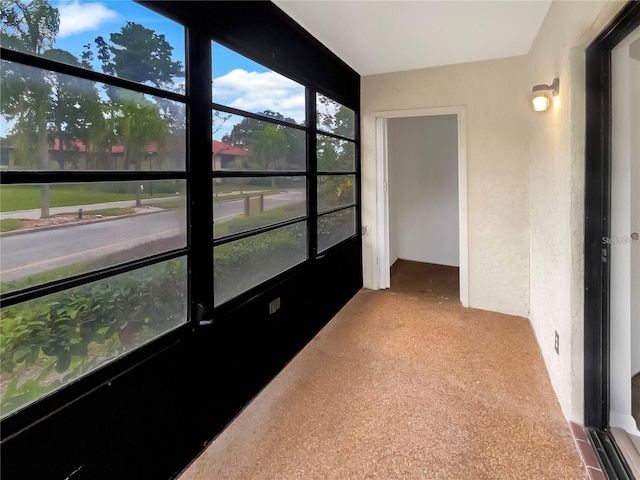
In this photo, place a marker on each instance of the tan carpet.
(404, 384)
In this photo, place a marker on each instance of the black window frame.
(66, 394)
(194, 415)
(311, 174)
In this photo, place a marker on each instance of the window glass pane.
(334, 118)
(246, 85)
(335, 155)
(242, 143)
(119, 38)
(50, 341)
(335, 191)
(241, 204)
(243, 264)
(50, 121)
(87, 227)
(336, 227)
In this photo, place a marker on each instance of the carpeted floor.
(404, 384)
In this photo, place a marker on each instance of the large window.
(93, 249)
(260, 221)
(336, 166)
(145, 192)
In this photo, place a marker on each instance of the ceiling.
(380, 36)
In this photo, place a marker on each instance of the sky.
(237, 81)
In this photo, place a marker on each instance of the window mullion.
(312, 169)
(200, 215)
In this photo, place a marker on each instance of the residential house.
(227, 156)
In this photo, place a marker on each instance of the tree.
(140, 124)
(344, 122)
(100, 135)
(270, 147)
(333, 153)
(138, 53)
(218, 121)
(29, 27)
(326, 154)
(74, 106)
(244, 133)
(295, 156)
(248, 132)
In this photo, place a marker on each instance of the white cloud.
(257, 92)
(76, 17)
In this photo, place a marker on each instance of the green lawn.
(9, 224)
(26, 197)
(242, 223)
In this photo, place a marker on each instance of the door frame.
(623, 250)
(597, 214)
(382, 269)
(597, 274)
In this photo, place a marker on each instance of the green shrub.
(243, 264)
(73, 331)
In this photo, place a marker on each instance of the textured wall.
(495, 96)
(556, 186)
(525, 180)
(423, 189)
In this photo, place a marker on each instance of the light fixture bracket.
(554, 88)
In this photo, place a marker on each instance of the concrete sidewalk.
(35, 213)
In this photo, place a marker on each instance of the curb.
(84, 222)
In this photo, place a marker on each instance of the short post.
(246, 207)
(79, 213)
(261, 203)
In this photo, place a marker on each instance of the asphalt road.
(38, 251)
(225, 211)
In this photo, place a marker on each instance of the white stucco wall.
(423, 189)
(495, 96)
(556, 186)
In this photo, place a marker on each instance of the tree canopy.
(50, 115)
(274, 146)
(29, 27)
(140, 54)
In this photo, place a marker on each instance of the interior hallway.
(404, 384)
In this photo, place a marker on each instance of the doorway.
(611, 282)
(625, 225)
(390, 246)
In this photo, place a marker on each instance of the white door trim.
(382, 204)
(382, 194)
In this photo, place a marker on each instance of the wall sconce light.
(542, 95)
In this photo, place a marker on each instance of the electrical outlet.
(274, 306)
(557, 343)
